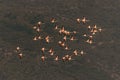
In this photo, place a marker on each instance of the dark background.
(17, 18)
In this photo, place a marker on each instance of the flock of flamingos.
(62, 38)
